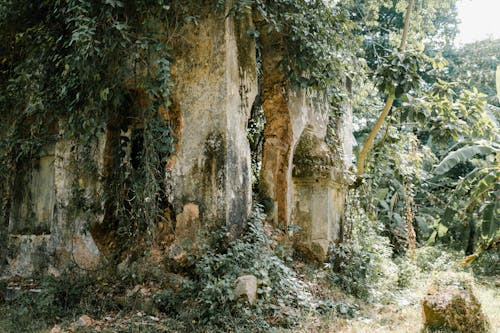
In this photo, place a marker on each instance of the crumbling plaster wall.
(216, 83)
(314, 202)
(66, 237)
(209, 175)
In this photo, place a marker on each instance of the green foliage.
(465, 154)
(360, 264)
(395, 183)
(448, 113)
(67, 70)
(436, 258)
(400, 72)
(30, 310)
(319, 39)
(3, 290)
(424, 130)
(380, 22)
(497, 77)
(475, 197)
(487, 263)
(475, 65)
(281, 295)
(353, 268)
(406, 271)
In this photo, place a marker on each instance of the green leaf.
(486, 183)
(104, 94)
(441, 230)
(463, 155)
(491, 224)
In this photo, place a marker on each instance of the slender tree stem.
(388, 103)
(407, 25)
(369, 141)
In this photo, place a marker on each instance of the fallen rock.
(450, 304)
(84, 321)
(246, 288)
(56, 329)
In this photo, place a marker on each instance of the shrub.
(350, 269)
(406, 271)
(435, 258)
(29, 310)
(487, 263)
(281, 295)
(3, 290)
(362, 265)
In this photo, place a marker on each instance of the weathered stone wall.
(318, 195)
(58, 231)
(216, 83)
(295, 130)
(209, 175)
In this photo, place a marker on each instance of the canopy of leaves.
(475, 65)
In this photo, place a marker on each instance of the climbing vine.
(70, 69)
(73, 71)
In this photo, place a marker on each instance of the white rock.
(84, 321)
(56, 329)
(246, 287)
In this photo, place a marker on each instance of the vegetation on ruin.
(427, 199)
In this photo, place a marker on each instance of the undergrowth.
(201, 299)
(362, 265)
(32, 309)
(282, 296)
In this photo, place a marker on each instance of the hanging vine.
(70, 69)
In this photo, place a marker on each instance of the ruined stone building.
(217, 80)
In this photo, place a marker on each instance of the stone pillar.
(319, 196)
(278, 131)
(298, 191)
(215, 85)
(75, 217)
(49, 226)
(288, 111)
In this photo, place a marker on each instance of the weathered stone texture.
(216, 83)
(246, 288)
(300, 174)
(319, 195)
(64, 234)
(450, 304)
(33, 201)
(209, 175)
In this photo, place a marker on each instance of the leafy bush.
(435, 258)
(281, 295)
(362, 263)
(351, 267)
(3, 290)
(487, 263)
(406, 271)
(33, 309)
(60, 295)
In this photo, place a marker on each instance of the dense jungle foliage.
(427, 197)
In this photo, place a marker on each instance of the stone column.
(301, 180)
(215, 85)
(75, 217)
(319, 195)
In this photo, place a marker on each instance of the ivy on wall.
(69, 69)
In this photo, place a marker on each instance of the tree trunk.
(388, 103)
(470, 241)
